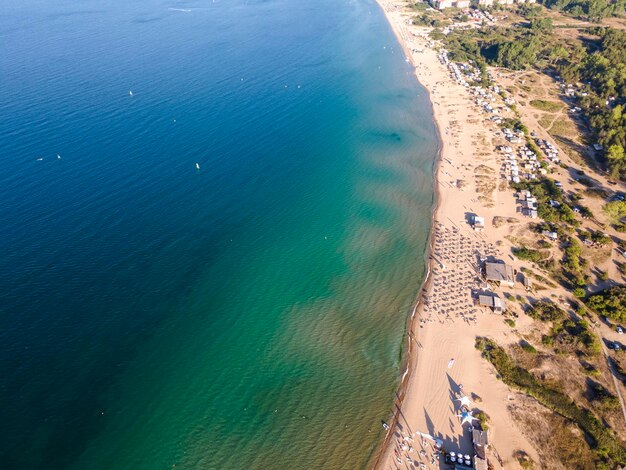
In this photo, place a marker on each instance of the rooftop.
(481, 442)
(492, 301)
(480, 464)
(499, 272)
(479, 221)
(480, 438)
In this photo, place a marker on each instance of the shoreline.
(411, 354)
(465, 146)
(411, 336)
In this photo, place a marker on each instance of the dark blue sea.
(248, 313)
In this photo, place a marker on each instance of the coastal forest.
(594, 10)
(594, 58)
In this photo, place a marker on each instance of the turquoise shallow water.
(246, 315)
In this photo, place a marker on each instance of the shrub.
(483, 418)
(524, 459)
(601, 397)
(526, 346)
(544, 244)
(591, 370)
(528, 254)
(546, 311)
(609, 452)
(600, 238)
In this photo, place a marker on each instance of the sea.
(213, 222)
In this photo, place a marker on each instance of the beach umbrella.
(466, 417)
(465, 400)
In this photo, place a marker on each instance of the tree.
(616, 156)
(541, 25)
(599, 9)
(615, 210)
(519, 54)
(579, 292)
(610, 302)
(557, 54)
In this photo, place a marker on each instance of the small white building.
(478, 223)
(551, 235)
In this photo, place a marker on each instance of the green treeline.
(605, 71)
(593, 10)
(599, 65)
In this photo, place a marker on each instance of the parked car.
(619, 330)
(615, 346)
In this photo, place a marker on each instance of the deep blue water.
(245, 315)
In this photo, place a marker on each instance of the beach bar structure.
(501, 273)
(493, 302)
(468, 462)
(481, 442)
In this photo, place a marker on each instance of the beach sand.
(442, 360)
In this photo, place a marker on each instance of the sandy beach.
(443, 364)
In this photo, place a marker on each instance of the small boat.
(58, 157)
(130, 92)
(197, 166)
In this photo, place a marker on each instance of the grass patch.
(549, 106)
(499, 221)
(564, 128)
(546, 121)
(597, 193)
(484, 169)
(485, 184)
